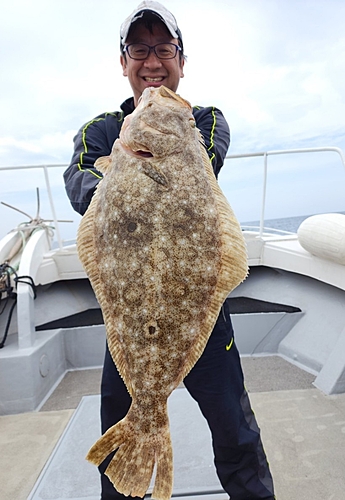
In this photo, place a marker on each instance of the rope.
(5, 287)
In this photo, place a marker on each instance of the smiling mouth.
(153, 80)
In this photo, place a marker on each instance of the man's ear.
(181, 68)
(124, 65)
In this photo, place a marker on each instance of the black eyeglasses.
(141, 51)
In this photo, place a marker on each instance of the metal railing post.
(263, 204)
(56, 224)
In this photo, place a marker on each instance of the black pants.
(216, 383)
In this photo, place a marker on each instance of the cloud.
(48, 148)
(275, 69)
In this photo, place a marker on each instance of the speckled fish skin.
(162, 249)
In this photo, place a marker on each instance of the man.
(152, 55)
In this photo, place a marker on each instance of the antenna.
(37, 219)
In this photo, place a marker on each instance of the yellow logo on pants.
(228, 347)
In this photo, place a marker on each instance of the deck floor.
(262, 374)
(303, 433)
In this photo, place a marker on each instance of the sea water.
(290, 224)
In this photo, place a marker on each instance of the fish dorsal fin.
(103, 163)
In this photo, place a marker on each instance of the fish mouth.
(139, 153)
(143, 154)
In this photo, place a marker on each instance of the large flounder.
(162, 249)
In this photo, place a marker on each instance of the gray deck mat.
(67, 475)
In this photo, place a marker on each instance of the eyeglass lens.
(162, 50)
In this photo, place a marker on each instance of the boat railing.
(266, 154)
(35, 247)
(267, 230)
(45, 169)
(26, 329)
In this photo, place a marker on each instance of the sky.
(275, 68)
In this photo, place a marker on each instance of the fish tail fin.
(131, 468)
(164, 475)
(110, 441)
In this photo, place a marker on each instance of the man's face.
(151, 72)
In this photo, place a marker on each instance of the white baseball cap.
(159, 10)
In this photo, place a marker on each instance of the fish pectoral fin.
(155, 173)
(103, 163)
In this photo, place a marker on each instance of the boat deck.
(303, 433)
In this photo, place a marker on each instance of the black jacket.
(97, 137)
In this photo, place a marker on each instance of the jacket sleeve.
(215, 131)
(81, 177)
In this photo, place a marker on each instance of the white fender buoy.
(324, 236)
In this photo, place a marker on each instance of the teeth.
(148, 79)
